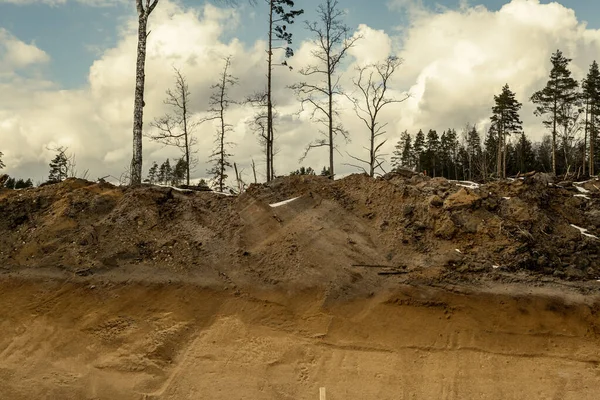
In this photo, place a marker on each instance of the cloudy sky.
(67, 72)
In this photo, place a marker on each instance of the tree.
(165, 172)
(176, 128)
(473, 148)
(59, 166)
(591, 98)
(153, 173)
(1, 163)
(280, 14)
(303, 171)
(138, 106)
(418, 150)
(23, 184)
(178, 173)
(220, 102)
(402, 156)
(10, 183)
(373, 84)
(524, 154)
(431, 153)
(505, 119)
(325, 172)
(556, 98)
(332, 41)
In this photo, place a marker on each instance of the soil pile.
(401, 287)
(328, 232)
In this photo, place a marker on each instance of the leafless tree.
(372, 85)
(176, 128)
(220, 102)
(144, 12)
(332, 39)
(259, 123)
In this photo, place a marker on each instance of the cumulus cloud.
(94, 3)
(15, 54)
(455, 61)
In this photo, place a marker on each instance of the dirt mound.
(396, 287)
(322, 232)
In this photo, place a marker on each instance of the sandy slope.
(132, 341)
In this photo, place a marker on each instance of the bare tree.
(220, 102)
(373, 85)
(332, 40)
(138, 107)
(259, 123)
(176, 128)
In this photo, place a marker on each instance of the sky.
(67, 73)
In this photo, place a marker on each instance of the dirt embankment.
(391, 288)
(175, 341)
(426, 227)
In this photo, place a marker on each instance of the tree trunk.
(138, 107)
(592, 142)
(554, 138)
(372, 152)
(330, 107)
(269, 100)
(185, 136)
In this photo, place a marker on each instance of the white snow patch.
(506, 198)
(175, 188)
(582, 190)
(223, 193)
(582, 195)
(467, 184)
(495, 266)
(283, 202)
(458, 251)
(584, 232)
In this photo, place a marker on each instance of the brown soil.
(390, 288)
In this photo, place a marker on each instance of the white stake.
(322, 393)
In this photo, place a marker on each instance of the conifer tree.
(557, 98)
(165, 172)
(591, 98)
(402, 156)
(59, 166)
(473, 148)
(178, 174)
(280, 16)
(1, 163)
(418, 150)
(433, 146)
(153, 173)
(505, 119)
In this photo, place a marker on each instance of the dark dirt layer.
(354, 235)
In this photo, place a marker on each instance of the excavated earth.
(401, 287)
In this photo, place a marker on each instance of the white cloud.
(94, 3)
(454, 63)
(15, 54)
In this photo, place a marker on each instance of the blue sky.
(73, 34)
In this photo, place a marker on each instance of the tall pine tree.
(505, 119)
(591, 98)
(557, 98)
(402, 156)
(418, 150)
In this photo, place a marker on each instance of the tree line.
(568, 110)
